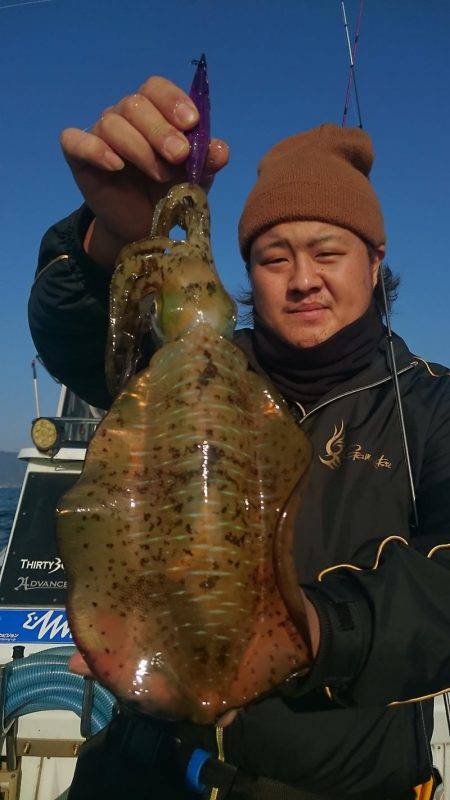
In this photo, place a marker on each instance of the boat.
(33, 588)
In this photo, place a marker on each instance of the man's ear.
(380, 253)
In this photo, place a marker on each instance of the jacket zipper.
(221, 756)
(351, 391)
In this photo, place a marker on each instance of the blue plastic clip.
(196, 761)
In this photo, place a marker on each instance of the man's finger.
(131, 145)
(164, 138)
(227, 718)
(82, 147)
(77, 664)
(218, 156)
(174, 104)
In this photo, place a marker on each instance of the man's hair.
(391, 283)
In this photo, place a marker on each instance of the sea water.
(9, 497)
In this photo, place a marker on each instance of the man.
(377, 586)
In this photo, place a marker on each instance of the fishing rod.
(353, 55)
(352, 60)
(405, 445)
(25, 3)
(389, 335)
(394, 373)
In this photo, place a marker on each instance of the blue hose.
(42, 682)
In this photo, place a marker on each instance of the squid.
(177, 537)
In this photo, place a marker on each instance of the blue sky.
(275, 68)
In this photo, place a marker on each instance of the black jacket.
(380, 585)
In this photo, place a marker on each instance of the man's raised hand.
(128, 160)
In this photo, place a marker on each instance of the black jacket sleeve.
(68, 310)
(386, 630)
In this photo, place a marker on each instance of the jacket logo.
(355, 452)
(334, 448)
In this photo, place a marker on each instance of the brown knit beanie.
(322, 174)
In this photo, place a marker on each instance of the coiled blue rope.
(42, 682)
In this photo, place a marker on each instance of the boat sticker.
(28, 584)
(33, 572)
(51, 566)
(34, 625)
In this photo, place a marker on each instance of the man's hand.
(129, 159)
(78, 664)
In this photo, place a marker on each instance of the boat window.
(74, 406)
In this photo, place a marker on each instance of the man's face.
(311, 279)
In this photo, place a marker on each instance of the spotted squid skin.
(180, 276)
(168, 537)
(177, 537)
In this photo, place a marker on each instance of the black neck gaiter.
(305, 375)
